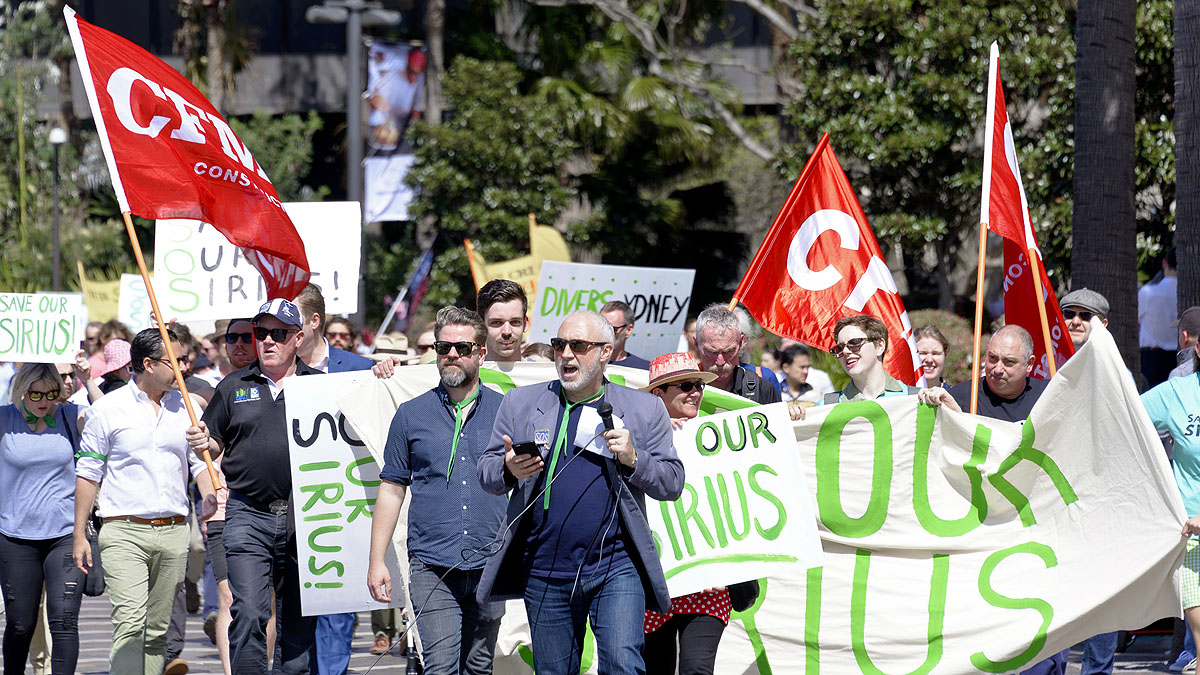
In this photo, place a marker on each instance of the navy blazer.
(342, 361)
(658, 473)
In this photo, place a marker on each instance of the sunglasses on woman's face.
(688, 386)
(36, 396)
(853, 344)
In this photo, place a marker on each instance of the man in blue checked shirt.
(433, 445)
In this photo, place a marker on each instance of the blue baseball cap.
(281, 309)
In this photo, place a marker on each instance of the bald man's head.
(1014, 332)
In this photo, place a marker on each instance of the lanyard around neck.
(560, 441)
(459, 417)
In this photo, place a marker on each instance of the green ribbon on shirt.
(459, 418)
(560, 440)
(32, 419)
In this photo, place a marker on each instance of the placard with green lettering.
(41, 327)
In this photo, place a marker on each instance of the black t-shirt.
(990, 405)
(253, 428)
(631, 361)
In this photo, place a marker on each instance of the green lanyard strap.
(459, 418)
(560, 441)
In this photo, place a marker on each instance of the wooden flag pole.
(1035, 266)
(162, 330)
(476, 275)
(983, 230)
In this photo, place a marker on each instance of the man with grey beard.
(433, 445)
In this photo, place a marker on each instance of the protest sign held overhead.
(744, 513)
(170, 154)
(1006, 212)
(659, 298)
(100, 297)
(820, 262)
(200, 275)
(134, 303)
(41, 327)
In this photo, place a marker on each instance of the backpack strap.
(832, 397)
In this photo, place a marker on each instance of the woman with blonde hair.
(39, 436)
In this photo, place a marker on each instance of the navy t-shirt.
(990, 405)
(582, 525)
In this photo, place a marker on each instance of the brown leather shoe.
(382, 644)
(177, 666)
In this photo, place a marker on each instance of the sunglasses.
(36, 396)
(688, 386)
(181, 360)
(421, 349)
(335, 334)
(234, 338)
(853, 344)
(1069, 314)
(277, 334)
(443, 347)
(577, 346)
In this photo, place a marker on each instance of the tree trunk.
(435, 31)
(1187, 145)
(1104, 247)
(215, 74)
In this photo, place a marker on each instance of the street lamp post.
(57, 138)
(355, 14)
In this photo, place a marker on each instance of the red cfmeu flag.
(820, 262)
(1006, 212)
(171, 155)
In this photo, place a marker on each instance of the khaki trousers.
(143, 568)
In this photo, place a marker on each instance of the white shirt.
(820, 381)
(1157, 310)
(139, 455)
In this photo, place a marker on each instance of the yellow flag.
(101, 297)
(545, 243)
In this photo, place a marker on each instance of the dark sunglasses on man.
(276, 334)
(1083, 314)
(577, 346)
(442, 347)
(244, 338)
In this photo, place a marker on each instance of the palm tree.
(1103, 251)
(1187, 145)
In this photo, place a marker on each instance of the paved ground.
(1145, 655)
(95, 636)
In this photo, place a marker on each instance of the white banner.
(198, 274)
(335, 481)
(659, 298)
(744, 513)
(41, 327)
(952, 543)
(388, 196)
(133, 303)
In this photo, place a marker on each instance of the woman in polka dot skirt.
(694, 621)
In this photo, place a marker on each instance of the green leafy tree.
(283, 145)
(32, 38)
(480, 172)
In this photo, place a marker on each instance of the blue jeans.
(458, 635)
(260, 551)
(1098, 653)
(334, 634)
(614, 603)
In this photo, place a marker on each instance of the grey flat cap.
(1086, 299)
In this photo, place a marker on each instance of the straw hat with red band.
(676, 367)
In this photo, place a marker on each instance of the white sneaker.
(1190, 669)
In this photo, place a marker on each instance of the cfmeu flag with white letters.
(171, 155)
(820, 262)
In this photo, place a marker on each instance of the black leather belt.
(277, 507)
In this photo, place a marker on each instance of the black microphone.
(605, 410)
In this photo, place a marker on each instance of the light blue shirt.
(1174, 406)
(37, 472)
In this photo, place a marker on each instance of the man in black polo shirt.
(246, 422)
